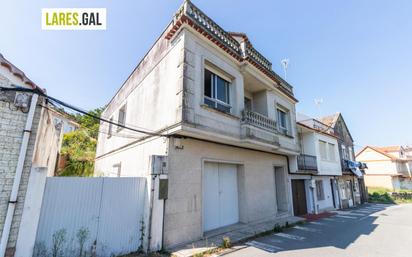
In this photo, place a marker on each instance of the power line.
(55, 100)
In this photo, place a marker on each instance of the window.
(248, 104)
(121, 119)
(322, 150)
(350, 153)
(344, 152)
(282, 121)
(331, 152)
(320, 194)
(110, 130)
(217, 92)
(327, 151)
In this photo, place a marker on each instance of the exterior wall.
(41, 151)
(183, 212)
(152, 94)
(12, 124)
(384, 181)
(134, 159)
(326, 167)
(197, 115)
(327, 203)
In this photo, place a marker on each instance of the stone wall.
(12, 124)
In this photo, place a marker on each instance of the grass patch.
(384, 195)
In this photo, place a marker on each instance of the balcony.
(307, 163)
(258, 127)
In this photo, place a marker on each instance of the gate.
(91, 217)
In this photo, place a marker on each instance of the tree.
(79, 146)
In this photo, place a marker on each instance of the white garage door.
(220, 195)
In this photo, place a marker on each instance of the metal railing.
(307, 162)
(258, 120)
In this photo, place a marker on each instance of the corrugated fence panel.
(122, 210)
(109, 209)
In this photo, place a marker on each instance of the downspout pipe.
(17, 177)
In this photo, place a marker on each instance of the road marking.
(362, 211)
(354, 214)
(345, 217)
(293, 237)
(263, 246)
(306, 229)
(329, 219)
(272, 240)
(317, 223)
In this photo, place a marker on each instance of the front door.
(220, 195)
(349, 192)
(299, 197)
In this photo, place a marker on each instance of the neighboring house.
(29, 145)
(315, 184)
(64, 124)
(222, 120)
(388, 167)
(352, 189)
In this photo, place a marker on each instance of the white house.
(314, 185)
(210, 107)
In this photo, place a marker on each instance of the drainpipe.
(17, 177)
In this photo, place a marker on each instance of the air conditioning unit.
(158, 164)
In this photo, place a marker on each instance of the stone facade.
(12, 124)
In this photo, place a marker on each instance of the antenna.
(318, 103)
(285, 64)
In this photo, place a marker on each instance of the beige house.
(210, 106)
(388, 167)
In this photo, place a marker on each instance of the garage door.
(220, 195)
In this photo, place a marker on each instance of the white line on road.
(354, 214)
(345, 217)
(293, 237)
(317, 223)
(263, 246)
(306, 229)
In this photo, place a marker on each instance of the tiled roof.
(18, 73)
(394, 148)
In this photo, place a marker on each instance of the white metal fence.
(82, 217)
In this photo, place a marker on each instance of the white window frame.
(320, 192)
(324, 156)
(110, 128)
(286, 130)
(331, 152)
(214, 98)
(121, 110)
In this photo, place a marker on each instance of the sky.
(355, 55)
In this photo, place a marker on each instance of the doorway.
(299, 197)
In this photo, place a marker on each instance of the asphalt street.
(372, 230)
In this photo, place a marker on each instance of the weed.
(226, 242)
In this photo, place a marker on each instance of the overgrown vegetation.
(383, 195)
(79, 147)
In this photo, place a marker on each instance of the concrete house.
(388, 167)
(315, 184)
(352, 190)
(29, 144)
(209, 105)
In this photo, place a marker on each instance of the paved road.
(372, 230)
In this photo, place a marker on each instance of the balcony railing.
(307, 162)
(258, 120)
